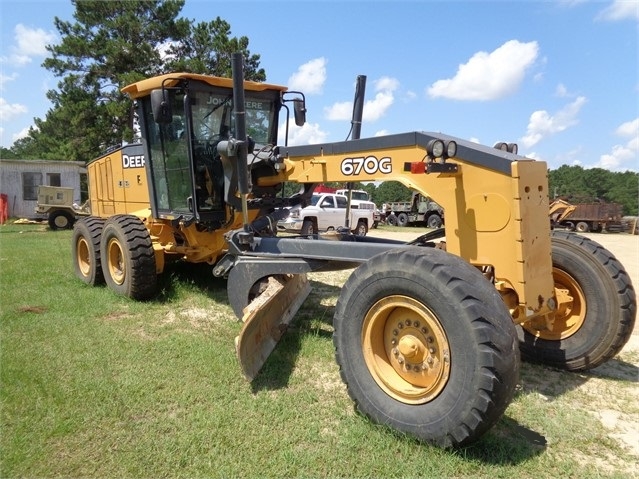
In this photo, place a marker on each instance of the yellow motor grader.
(428, 334)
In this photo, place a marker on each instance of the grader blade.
(267, 318)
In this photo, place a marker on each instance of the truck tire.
(128, 260)
(85, 250)
(598, 322)
(391, 219)
(426, 346)
(434, 221)
(308, 228)
(582, 227)
(61, 220)
(402, 219)
(361, 228)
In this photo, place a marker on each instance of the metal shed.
(19, 181)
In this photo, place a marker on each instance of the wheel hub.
(83, 257)
(570, 314)
(406, 349)
(117, 267)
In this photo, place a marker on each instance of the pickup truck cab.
(326, 212)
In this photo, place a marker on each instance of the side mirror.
(161, 106)
(299, 109)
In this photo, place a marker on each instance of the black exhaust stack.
(241, 143)
(356, 130)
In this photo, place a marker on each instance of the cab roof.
(144, 87)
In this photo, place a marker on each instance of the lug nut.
(408, 322)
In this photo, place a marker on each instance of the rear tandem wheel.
(426, 346)
(85, 249)
(128, 260)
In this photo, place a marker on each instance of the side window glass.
(341, 202)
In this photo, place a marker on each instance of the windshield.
(360, 195)
(213, 117)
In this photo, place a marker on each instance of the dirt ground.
(621, 424)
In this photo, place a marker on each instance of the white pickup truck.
(326, 212)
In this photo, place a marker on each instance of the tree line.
(112, 44)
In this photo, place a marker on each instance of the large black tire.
(85, 250)
(391, 220)
(128, 260)
(402, 303)
(434, 221)
(598, 322)
(402, 219)
(60, 220)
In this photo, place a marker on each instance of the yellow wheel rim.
(83, 257)
(116, 262)
(406, 349)
(571, 312)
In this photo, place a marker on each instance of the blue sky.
(560, 78)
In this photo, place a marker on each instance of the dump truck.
(428, 333)
(57, 203)
(421, 209)
(584, 217)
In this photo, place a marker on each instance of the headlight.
(435, 148)
(451, 149)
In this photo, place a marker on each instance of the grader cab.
(428, 333)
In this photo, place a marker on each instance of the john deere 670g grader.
(428, 334)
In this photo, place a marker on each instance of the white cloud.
(6, 79)
(21, 134)
(623, 157)
(620, 10)
(489, 76)
(309, 77)
(374, 109)
(309, 134)
(10, 110)
(543, 124)
(29, 43)
(33, 42)
(561, 90)
(339, 111)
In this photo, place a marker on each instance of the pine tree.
(108, 46)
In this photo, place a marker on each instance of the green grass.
(96, 385)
